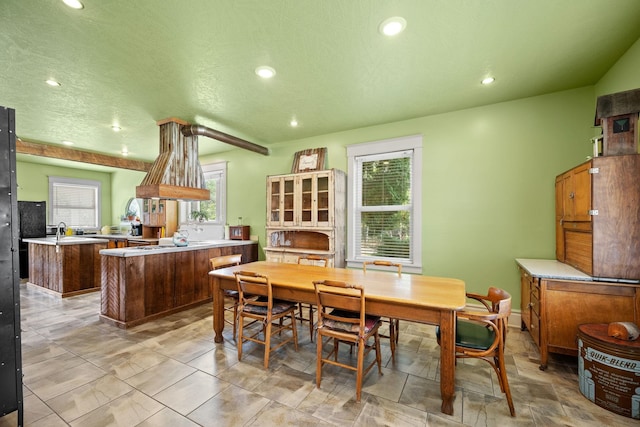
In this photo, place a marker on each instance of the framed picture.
(311, 159)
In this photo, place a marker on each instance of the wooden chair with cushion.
(310, 259)
(342, 318)
(482, 334)
(222, 262)
(264, 309)
(394, 324)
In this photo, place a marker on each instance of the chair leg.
(240, 336)
(295, 330)
(378, 357)
(392, 339)
(504, 382)
(311, 322)
(235, 319)
(361, 345)
(267, 342)
(319, 360)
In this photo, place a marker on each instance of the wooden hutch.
(306, 215)
(596, 277)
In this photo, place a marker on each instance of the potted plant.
(131, 215)
(200, 216)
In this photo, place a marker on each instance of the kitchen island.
(143, 283)
(66, 266)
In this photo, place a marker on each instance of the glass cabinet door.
(324, 204)
(288, 208)
(273, 209)
(307, 200)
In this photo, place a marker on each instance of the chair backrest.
(343, 297)
(252, 284)
(225, 261)
(501, 305)
(313, 259)
(382, 263)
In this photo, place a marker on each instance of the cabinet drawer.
(535, 290)
(535, 305)
(534, 328)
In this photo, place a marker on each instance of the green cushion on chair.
(472, 335)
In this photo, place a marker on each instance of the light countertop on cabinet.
(155, 249)
(551, 269)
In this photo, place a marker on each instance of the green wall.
(33, 183)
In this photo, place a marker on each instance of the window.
(76, 202)
(385, 201)
(215, 178)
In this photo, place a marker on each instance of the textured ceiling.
(135, 62)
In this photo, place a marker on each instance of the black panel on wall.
(10, 353)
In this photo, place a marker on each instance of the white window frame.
(218, 168)
(64, 181)
(355, 153)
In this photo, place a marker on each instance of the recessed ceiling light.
(488, 80)
(393, 26)
(265, 72)
(67, 142)
(74, 4)
(293, 123)
(52, 82)
(116, 128)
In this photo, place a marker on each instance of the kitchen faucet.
(58, 229)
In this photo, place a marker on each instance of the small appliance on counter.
(136, 229)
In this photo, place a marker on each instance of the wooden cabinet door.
(582, 192)
(560, 254)
(525, 299)
(274, 201)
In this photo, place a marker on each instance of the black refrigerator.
(32, 220)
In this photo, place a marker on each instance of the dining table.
(411, 297)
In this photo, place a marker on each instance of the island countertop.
(65, 240)
(155, 249)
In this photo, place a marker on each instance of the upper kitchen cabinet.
(159, 213)
(306, 215)
(303, 199)
(597, 217)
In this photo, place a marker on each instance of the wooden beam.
(63, 153)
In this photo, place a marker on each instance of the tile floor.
(81, 372)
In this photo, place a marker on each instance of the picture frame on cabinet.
(311, 159)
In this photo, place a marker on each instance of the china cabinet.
(597, 211)
(158, 214)
(306, 215)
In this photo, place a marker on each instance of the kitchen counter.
(143, 283)
(65, 240)
(154, 250)
(66, 267)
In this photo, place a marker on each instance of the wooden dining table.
(412, 297)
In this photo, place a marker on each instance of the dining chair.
(482, 334)
(394, 324)
(310, 259)
(342, 318)
(271, 312)
(222, 262)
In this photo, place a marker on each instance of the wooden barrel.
(609, 370)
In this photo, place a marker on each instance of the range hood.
(176, 173)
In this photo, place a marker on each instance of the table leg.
(218, 309)
(447, 360)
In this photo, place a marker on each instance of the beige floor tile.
(233, 406)
(128, 410)
(191, 392)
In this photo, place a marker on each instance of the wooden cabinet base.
(138, 289)
(552, 309)
(65, 270)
